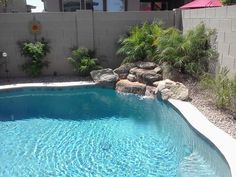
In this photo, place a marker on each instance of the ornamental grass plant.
(222, 89)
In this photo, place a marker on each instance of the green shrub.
(228, 2)
(168, 47)
(137, 44)
(83, 61)
(35, 53)
(225, 2)
(190, 53)
(223, 89)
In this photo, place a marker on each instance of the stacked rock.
(143, 78)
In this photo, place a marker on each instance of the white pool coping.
(224, 142)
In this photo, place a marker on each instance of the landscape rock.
(149, 79)
(132, 78)
(150, 91)
(170, 89)
(146, 65)
(123, 70)
(135, 70)
(158, 70)
(138, 73)
(130, 87)
(164, 84)
(166, 94)
(145, 76)
(104, 76)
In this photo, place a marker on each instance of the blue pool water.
(83, 132)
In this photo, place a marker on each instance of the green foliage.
(83, 61)
(228, 2)
(3, 3)
(137, 44)
(167, 47)
(225, 2)
(207, 81)
(35, 53)
(222, 88)
(190, 53)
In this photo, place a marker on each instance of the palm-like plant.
(189, 53)
(198, 48)
(138, 43)
(168, 47)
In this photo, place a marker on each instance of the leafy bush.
(222, 88)
(189, 53)
(167, 47)
(35, 52)
(83, 61)
(228, 2)
(137, 44)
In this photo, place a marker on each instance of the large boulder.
(104, 76)
(170, 89)
(150, 91)
(130, 87)
(146, 76)
(145, 65)
(123, 70)
(149, 79)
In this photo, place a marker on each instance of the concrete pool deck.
(225, 143)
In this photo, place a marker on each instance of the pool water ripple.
(87, 147)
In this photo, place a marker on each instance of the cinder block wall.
(99, 31)
(15, 6)
(223, 19)
(108, 27)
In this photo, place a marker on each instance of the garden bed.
(220, 117)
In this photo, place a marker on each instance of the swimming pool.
(93, 131)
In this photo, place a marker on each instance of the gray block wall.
(108, 27)
(223, 20)
(98, 30)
